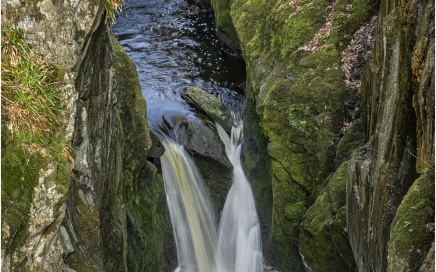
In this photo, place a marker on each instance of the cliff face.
(295, 110)
(333, 207)
(102, 214)
(34, 186)
(114, 192)
(398, 111)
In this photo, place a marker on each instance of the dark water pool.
(174, 45)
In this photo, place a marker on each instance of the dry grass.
(113, 7)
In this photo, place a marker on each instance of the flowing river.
(174, 45)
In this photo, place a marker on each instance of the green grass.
(32, 134)
(30, 98)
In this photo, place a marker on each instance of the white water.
(191, 213)
(237, 246)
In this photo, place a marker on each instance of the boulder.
(208, 104)
(412, 230)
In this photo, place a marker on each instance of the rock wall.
(398, 111)
(295, 107)
(56, 29)
(327, 206)
(108, 212)
(34, 186)
(114, 193)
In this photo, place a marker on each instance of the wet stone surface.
(174, 45)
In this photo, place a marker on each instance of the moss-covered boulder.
(295, 83)
(208, 104)
(324, 228)
(412, 230)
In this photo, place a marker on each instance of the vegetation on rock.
(33, 138)
(293, 55)
(412, 230)
(30, 100)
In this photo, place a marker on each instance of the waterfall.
(236, 246)
(239, 244)
(191, 213)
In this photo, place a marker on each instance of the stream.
(174, 45)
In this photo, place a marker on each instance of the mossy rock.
(349, 142)
(147, 227)
(412, 230)
(21, 171)
(208, 104)
(19, 177)
(323, 241)
(297, 94)
(348, 18)
(225, 29)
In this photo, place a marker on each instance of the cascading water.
(239, 243)
(237, 247)
(174, 45)
(191, 213)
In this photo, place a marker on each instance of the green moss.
(134, 121)
(20, 173)
(226, 31)
(323, 228)
(297, 27)
(298, 96)
(349, 142)
(410, 236)
(147, 228)
(19, 176)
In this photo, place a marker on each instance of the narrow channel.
(174, 45)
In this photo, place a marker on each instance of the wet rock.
(209, 105)
(225, 29)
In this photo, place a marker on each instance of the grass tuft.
(30, 98)
(113, 7)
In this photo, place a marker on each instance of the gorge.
(338, 137)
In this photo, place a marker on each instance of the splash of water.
(236, 247)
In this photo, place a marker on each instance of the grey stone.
(209, 105)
